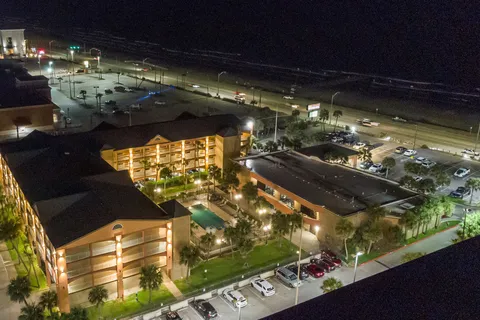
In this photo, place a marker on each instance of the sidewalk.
(172, 287)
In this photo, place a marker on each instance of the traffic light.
(74, 47)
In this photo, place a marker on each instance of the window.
(117, 226)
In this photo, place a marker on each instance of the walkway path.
(172, 287)
(10, 310)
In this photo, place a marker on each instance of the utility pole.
(331, 107)
(276, 124)
(415, 137)
(70, 84)
(73, 75)
(476, 141)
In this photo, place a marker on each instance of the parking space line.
(196, 312)
(255, 292)
(281, 283)
(227, 303)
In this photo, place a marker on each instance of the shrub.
(424, 146)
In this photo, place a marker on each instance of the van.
(287, 277)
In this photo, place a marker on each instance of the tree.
(189, 256)
(447, 207)
(230, 233)
(372, 234)
(283, 141)
(295, 114)
(198, 146)
(442, 179)
(426, 186)
(408, 182)
(415, 168)
(331, 284)
(324, 115)
(319, 137)
(97, 296)
(270, 146)
(230, 179)
(280, 225)
(10, 230)
(294, 222)
(78, 313)
(32, 259)
(249, 191)
(207, 241)
(185, 163)
(261, 203)
(376, 212)
(244, 228)
(146, 164)
(165, 174)
(215, 173)
(48, 300)
(337, 114)
(151, 278)
(345, 230)
(245, 246)
(389, 163)
(19, 289)
(412, 256)
(296, 143)
(31, 312)
(364, 155)
(99, 96)
(474, 185)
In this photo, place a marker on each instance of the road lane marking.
(227, 303)
(255, 292)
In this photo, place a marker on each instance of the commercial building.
(88, 224)
(322, 191)
(440, 285)
(12, 42)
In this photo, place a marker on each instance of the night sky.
(419, 40)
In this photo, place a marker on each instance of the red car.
(329, 255)
(315, 270)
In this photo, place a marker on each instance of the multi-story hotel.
(87, 222)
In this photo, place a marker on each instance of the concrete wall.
(180, 238)
(226, 148)
(39, 116)
(18, 38)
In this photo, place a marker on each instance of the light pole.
(358, 254)
(50, 46)
(299, 259)
(70, 84)
(39, 65)
(52, 71)
(219, 242)
(331, 107)
(265, 230)
(218, 81)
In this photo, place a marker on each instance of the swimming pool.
(206, 218)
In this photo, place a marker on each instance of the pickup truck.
(367, 123)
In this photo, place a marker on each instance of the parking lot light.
(317, 228)
(158, 190)
(358, 254)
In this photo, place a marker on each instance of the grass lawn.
(116, 308)
(441, 227)
(220, 269)
(459, 201)
(367, 257)
(177, 189)
(21, 271)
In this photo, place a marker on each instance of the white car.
(235, 297)
(160, 102)
(462, 172)
(359, 145)
(128, 90)
(468, 151)
(417, 178)
(428, 164)
(195, 86)
(80, 96)
(420, 160)
(263, 286)
(410, 153)
(376, 167)
(135, 106)
(288, 97)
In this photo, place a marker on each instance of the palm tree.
(189, 256)
(230, 233)
(146, 164)
(48, 300)
(270, 146)
(324, 115)
(364, 155)
(215, 173)
(19, 289)
(280, 226)
(99, 96)
(27, 249)
(250, 192)
(31, 312)
(388, 162)
(408, 221)
(151, 278)
(376, 212)
(185, 163)
(78, 313)
(283, 142)
(337, 114)
(207, 241)
(372, 234)
(345, 230)
(11, 230)
(442, 179)
(331, 284)
(97, 296)
(474, 185)
(165, 174)
(447, 207)
(294, 223)
(295, 114)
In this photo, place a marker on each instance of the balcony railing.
(155, 250)
(131, 242)
(150, 237)
(105, 279)
(104, 249)
(77, 256)
(76, 272)
(133, 256)
(80, 286)
(104, 265)
(131, 272)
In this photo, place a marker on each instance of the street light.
(317, 228)
(331, 107)
(238, 196)
(219, 242)
(158, 190)
(218, 81)
(358, 254)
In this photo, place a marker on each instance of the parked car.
(330, 264)
(108, 91)
(303, 273)
(417, 178)
(110, 102)
(136, 106)
(358, 145)
(235, 297)
(119, 112)
(315, 270)
(263, 286)
(428, 164)
(129, 90)
(461, 172)
(79, 96)
(398, 119)
(172, 315)
(288, 97)
(160, 102)
(410, 152)
(119, 88)
(337, 139)
(420, 160)
(327, 254)
(139, 185)
(205, 309)
(460, 193)
(366, 164)
(468, 151)
(400, 150)
(375, 167)
(287, 277)
(326, 267)
(68, 120)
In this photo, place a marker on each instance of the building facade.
(13, 42)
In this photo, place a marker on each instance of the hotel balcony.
(103, 247)
(77, 254)
(104, 262)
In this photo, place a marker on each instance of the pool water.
(206, 218)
